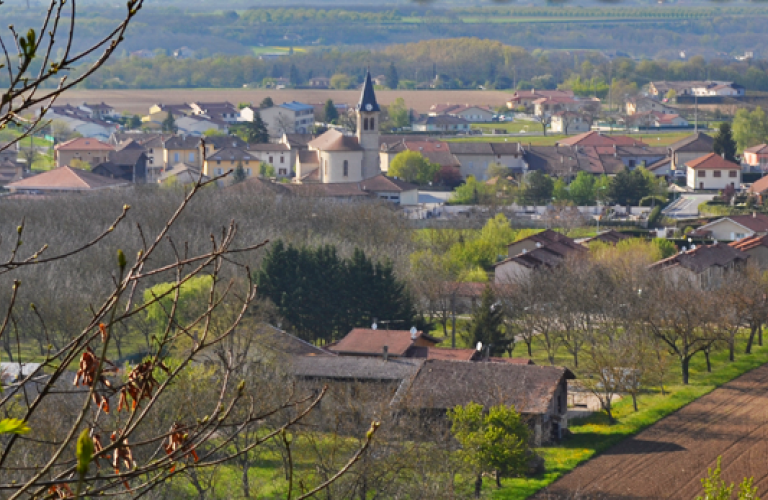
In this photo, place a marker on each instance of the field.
(668, 459)
(550, 140)
(257, 51)
(139, 101)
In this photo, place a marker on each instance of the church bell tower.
(368, 113)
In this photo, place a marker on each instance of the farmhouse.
(756, 247)
(713, 172)
(441, 123)
(756, 156)
(388, 343)
(88, 150)
(543, 250)
(706, 266)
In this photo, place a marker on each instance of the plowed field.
(668, 459)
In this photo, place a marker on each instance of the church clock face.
(369, 107)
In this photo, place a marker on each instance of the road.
(668, 459)
(687, 206)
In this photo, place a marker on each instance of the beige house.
(757, 156)
(88, 150)
(757, 249)
(647, 105)
(706, 266)
(735, 227)
(568, 122)
(713, 172)
(690, 148)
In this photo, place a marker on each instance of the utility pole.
(696, 113)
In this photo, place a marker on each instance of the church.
(334, 158)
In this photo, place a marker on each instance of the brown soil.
(668, 459)
(139, 101)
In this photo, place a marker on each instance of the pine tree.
(486, 323)
(724, 144)
(294, 75)
(393, 80)
(169, 124)
(266, 103)
(238, 175)
(331, 113)
(257, 130)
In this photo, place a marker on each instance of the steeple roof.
(368, 96)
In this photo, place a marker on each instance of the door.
(701, 185)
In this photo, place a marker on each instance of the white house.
(712, 171)
(197, 125)
(441, 123)
(735, 227)
(288, 118)
(567, 122)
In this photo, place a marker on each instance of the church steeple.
(368, 96)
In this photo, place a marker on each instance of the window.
(176, 157)
(218, 171)
(733, 173)
(702, 173)
(631, 163)
(271, 159)
(191, 157)
(717, 173)
(282, 159)
(365, 123)
(372, 123)
(346, 168)
(282, 171)
(248, 171)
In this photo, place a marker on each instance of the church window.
(365, 123)
(371, 124)
(346, 168)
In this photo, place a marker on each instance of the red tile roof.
(759, 186)
(712, 161)
(84, 144)
(65, 179)
(750, 243)
(759, 149)
(371, 342)
(755, 222)
(597, 139)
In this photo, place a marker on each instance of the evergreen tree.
(393, 80)
(628, 188)
(169, 124)
(724, 143)
(134, 122)
(294, 75)
(330, 111)
(538, 188)
(486, 324)
(238, 175)
(266, 103)
(254, 132)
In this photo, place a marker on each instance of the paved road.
(687, 205)
(668, 459)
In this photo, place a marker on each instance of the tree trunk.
(530, 352)
(709, 363)
(575, 358)
(752, 332)
(478, 485)
(246, 483)
(731, 349)
(634, 401)
(453, 329)
(498, 479)
(760, 335)
(684, 369)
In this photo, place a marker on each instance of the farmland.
(139, 101)
(668, 459)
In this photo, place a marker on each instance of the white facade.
(510, 272)
(197, 126)
(573, 124)
(706, 178)
(341, 166)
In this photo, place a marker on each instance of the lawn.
(658, 139)
(275, 49)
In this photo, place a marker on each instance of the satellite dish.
(479, 346)
(374, 326)
(538, 245)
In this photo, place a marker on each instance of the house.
(370, 342)
(392, 189)
(756, 247)
(99, 111)
(279, 156)
(183, 53)
(661, 168)
(735, 227)
(182, 149)
(756, 157)
(9, 152)
(570, 122)
(200, 124)
(319, 82)
(85, 149)
(10, 171)
(228, 159)
(656, 119)
(645, 105)
(527, 97)
(706, 266)
(598, 139)
(610, 237)
(128, 163)
(432, 149)
(181, 174)
(547, 106)
(159, 112)
(687, 149)
(289, 118)
(699, 88)
(442, 123)
(712, 171)
(216, 111)
(539, 393)
(759, 187)
(80, 121)
(547, 249)
(65, 180)
(473, 114)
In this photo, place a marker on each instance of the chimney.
(385, 352)
(487, 353)
(754, 215)
(723, 155)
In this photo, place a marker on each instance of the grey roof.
(703, 257)
(267, 147)
(698, 142)
(224, 141)
(506, 148)
(231, 154)
(180, 168)
(355, 367)
(182, 142)
(368, 96)
(441, 384)
(470, 148)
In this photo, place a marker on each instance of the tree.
(487, 324)
(724, 144)
(330, 112)
(716, 489)
(582, 189)
(538, 188)
(749, 128)
(399, 115)
(134, 122)
(496, 441)
(472, 192)
(393, 81)
(341, 81)
(628, 188)
(239, 175)
(411, 166)
(560, 191)
(293, 75)
(266, 170)
(169, 124)
(266, 103)
(253, 132)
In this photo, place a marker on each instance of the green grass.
(275, 49)
(550, 140)
(509, 127)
